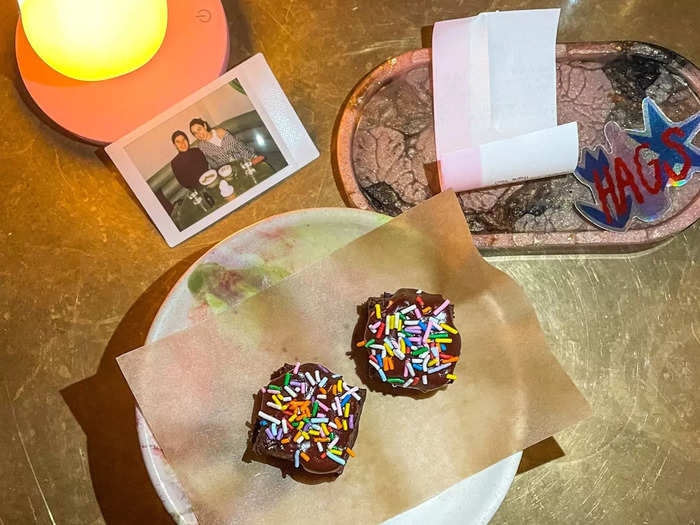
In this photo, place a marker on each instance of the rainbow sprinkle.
(408, 342)
(309, 414)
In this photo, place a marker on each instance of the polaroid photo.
(214, 151)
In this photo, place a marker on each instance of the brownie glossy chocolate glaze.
(399, 350)
(319, 411)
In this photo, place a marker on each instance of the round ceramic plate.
(207, 177)
(253, 259)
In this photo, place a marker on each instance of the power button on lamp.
(203, 15)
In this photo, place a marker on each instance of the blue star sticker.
(655, 125)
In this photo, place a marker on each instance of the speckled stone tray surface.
(385, 137)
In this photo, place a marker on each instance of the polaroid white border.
(277, 114)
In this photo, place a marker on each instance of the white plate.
(253, 259)
(225, 170)
(207, 177)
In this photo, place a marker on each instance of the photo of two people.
(207, 155)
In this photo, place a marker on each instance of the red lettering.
(624, 179)
(658, 181)
(608, 191)
(666, 139)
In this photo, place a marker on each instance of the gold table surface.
(82, 272)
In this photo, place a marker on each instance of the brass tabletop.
(83, 270)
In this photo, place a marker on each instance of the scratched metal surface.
(82, 272)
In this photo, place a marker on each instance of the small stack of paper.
(494, 84)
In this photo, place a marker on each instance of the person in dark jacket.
(189, 164)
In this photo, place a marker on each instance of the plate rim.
(157, 318)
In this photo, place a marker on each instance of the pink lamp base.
(194, 52)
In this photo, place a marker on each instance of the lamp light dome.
(94, 39)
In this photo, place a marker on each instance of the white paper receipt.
(494, 89)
